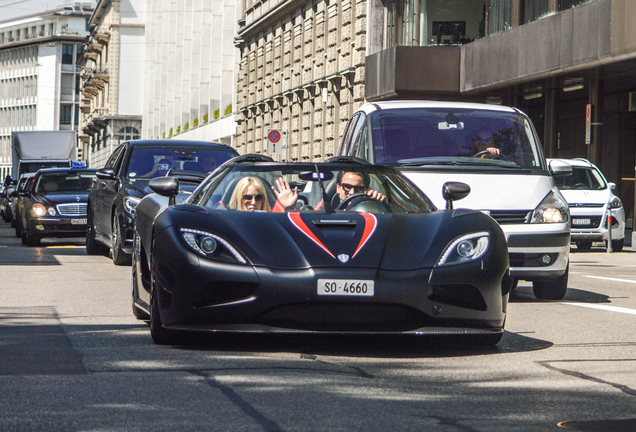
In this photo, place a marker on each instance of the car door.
(103, 196)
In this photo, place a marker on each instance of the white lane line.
(609, 279)
(603, 307)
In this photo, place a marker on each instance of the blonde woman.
(249, 195)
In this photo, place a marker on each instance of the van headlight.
(469, 247)
(553, 209)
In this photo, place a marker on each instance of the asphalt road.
(73, 358)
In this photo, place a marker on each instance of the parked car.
(8, 186)
(496, 151)
(124, 181)
(24, 183)
(354, 266)
(56, 204)
(590, 198)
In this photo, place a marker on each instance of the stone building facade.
(302, 71)
(111, 81)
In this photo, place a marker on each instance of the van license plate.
(345, 287)
(78, 221)
(581, 221)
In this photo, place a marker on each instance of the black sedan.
(55, 206)
(338, 247)
(123, 182)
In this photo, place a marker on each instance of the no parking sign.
(274, 144)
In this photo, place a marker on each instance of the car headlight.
(39, 209)
(211, 246)
(553, 209)
(130, 204)
(51, 211)
(615, 203)
(466, 248)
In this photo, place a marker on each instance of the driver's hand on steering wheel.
(376, 195)
(494, 151)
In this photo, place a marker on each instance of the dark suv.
(123, 182)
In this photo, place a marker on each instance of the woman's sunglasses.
(356, 189)
(257, 198)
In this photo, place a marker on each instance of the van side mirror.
(454, 191)
(560, 168)
(165, 186)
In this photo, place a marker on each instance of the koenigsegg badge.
(343, 258)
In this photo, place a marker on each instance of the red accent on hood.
(295, 218)
(370, 223)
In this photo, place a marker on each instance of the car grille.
(72, 209)
(506, 217)
(595, 221)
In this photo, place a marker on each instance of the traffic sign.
(274, 145)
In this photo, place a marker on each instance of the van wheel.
(584, 246)
(617, 245)
(553, 289)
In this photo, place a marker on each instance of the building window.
(80, 50)
(67, 54)
(128, 133)
(65, 114)
(499, 16)
(535, 9)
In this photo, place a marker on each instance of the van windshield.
(423, 136)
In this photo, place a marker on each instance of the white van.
(493, 149)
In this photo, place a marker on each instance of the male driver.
(351, 182)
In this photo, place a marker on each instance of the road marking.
(609, 279)
(61, 247)
(603, 307)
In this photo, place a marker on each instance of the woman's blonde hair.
(236, 200)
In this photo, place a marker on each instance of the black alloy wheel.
(120, 257)
(92, 247)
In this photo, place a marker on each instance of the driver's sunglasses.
(356, 189)
(257, 198)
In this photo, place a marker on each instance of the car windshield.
(226, 190)
(149, 162)
(421, 136)
(582, 178)
(64, 182)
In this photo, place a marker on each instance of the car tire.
(120, 257)
(617, 245)
(18, 230)
(137, 311)
(23, 237)
(553, 289)
(30, 239)
(92, 247)
(584, 246)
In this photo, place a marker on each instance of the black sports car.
(55, 205)
(358, 250)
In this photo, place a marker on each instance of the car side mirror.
(13, 194)
(454, 191)
(24, 194)
(560, 168)
(612, 185)
(106, 174)
(165, 186)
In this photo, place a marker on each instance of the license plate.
(78, 221)
(345, 287)
(581, 221)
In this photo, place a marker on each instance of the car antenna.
(325, 199)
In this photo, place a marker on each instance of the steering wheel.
(345, 202)
(580, 186)
(359, 198)
(494, 156)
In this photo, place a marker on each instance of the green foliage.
(195, 122)
(206, 117)
(187, 126)
(178, 129)
(228, 110)
(217, 113)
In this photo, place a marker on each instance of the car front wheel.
(119, 256)
(552, 289)
(30, 239)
